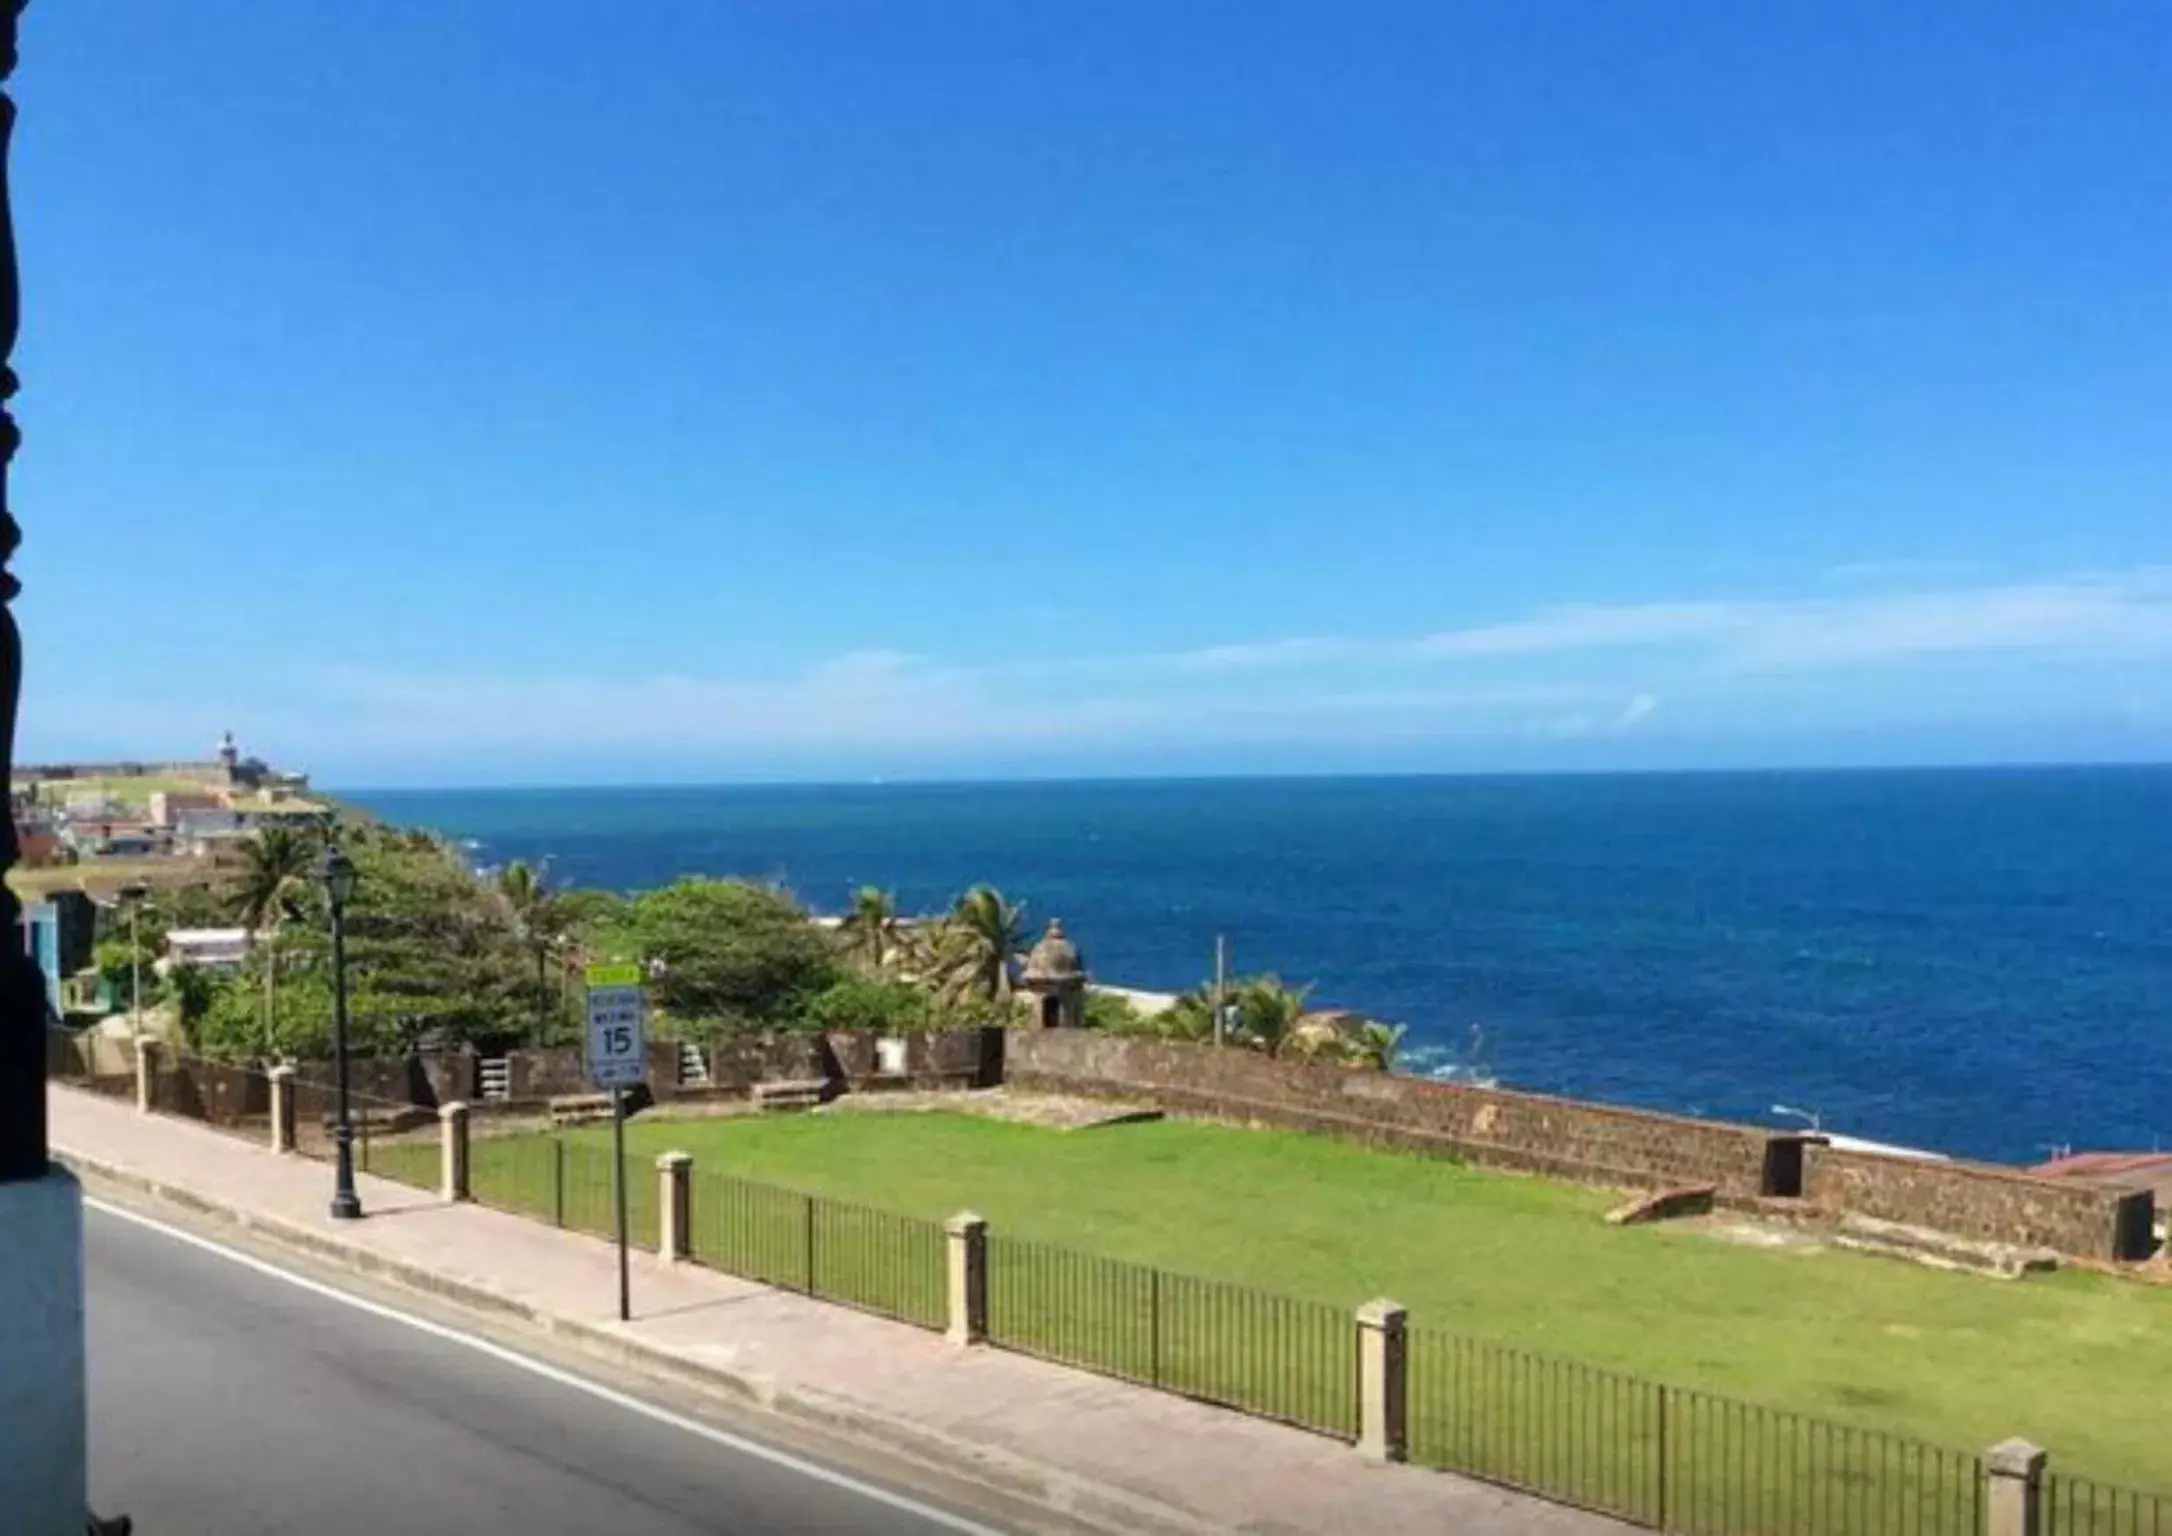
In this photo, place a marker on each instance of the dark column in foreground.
(22, 990)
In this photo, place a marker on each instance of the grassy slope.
(133, 791)
(103, 877)
(2073, 1361)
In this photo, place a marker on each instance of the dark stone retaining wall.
(1533, 1132)
(1593, 1143)
(2000, 1205)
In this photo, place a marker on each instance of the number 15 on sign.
(617, 1043)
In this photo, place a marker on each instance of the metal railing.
(524, 1175)
(874, 1260)
(1672, 1458)
(2076, 1506)
(393, 1138)
(564, 1182)
(1270, 1355)
(1582, 1434)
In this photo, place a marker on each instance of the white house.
(214, 949)
(171, 807)
(207, 821)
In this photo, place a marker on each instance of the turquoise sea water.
(1974, 960)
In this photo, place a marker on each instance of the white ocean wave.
(1445, 1064)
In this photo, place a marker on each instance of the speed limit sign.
(617, 1033)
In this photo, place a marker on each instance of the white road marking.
(739, 1443)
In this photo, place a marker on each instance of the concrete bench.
(789, 1093)
(578, 1108)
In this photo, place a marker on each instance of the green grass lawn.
(2076, 1362)
(129, 790)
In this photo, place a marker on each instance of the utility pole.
(1221, 983)
(133, 897)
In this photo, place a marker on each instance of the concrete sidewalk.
(1117, 1455)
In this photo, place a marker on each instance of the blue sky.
(479, 392)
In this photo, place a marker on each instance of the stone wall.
(851, 1059)
(737, 1062)
(210, 1091)
(1595, 1143)
(848, 1060)
(1980, 1201)
(1533, 1132)
(87, 1053)
(948, 1058)
(66, 1056)
(550, 1073)
(427, 1080)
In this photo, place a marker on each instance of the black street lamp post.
(339, 877)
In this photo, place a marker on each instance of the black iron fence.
(1581, 1434)
(564, 1182)
(874, 1260)
(2075, 1506)
(1671, 1458)
(393, 1139)
(1270, 1355)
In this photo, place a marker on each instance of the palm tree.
(538, 921)
(521, 884)
(870, 928)
(988, 931)
(267, 892)
(1190, 1017)
(1377, 1043)
(1268, 1011)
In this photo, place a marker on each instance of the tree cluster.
(1261, 1013)
(439, 956)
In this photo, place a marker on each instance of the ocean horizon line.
(1340, 776)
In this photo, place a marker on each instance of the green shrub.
(1117, 1014)
(728, 948)
(870, 1003)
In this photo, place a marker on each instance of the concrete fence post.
(674, 1206)
(146, 1072)
(2013, 1473)
(968, 1237)
(453, 1151)
(282, 1108)
(1383, 1381)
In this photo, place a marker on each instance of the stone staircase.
(693, 1066)
(1940, 1250)
(792, 1093)
(495, 1079)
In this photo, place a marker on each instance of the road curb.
(1063, 1493)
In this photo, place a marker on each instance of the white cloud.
(1269, 653)
(888, 698)
(2124, 613)
(1559, 672)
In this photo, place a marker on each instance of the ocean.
(1976, 961)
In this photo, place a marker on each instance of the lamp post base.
(346, 1207)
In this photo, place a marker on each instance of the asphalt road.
(227, 1402)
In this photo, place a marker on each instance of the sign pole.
(617, 1059)
(618, 1198)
